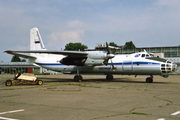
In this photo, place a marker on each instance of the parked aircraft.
(95, 62)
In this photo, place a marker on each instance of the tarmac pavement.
(124, 98)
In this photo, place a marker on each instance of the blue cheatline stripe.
(125, 63)
(135, 63)
(49, 64)
(146, 63)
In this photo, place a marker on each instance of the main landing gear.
(109, 77)
(78, 77)
(149, 79)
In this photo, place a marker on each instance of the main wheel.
(8, 83)
(109, 77)
(149, 80)
(39, 82)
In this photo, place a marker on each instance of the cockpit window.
(143, 55)
(168, 62)
(151, 55)
(147, 55)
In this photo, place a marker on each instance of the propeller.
(109, 56)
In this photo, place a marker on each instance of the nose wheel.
(149, 80)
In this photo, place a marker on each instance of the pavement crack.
(109, 116)
(169, 102)
(139, 113)
(9, 96)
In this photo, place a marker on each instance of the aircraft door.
(127, 66)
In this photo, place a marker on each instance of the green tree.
(129, 45)
(15, 58)
(23, 60)
(113, 44)
(75, 46)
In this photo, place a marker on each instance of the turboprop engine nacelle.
(97, 58)
(93, 62)
(93, 58)
(79, 61)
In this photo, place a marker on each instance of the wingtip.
(7, 51)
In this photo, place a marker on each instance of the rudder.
(36, 42)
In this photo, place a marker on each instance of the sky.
(148, 23)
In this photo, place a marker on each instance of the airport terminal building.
(14, 67)
(22, 67)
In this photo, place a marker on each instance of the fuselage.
(140, 63)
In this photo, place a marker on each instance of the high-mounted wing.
(72, 57)
(20, 55)
(69, 53)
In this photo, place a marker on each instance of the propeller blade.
(105, 61)
(112, 65)
(109, 56)
(107, 46)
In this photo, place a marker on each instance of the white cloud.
(168, 3)
(22, 48)
(95, 1)
(66, 37)
(76, 24)
(10, 15)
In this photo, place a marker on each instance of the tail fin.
(36, 42)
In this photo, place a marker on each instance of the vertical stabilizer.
(36, 42)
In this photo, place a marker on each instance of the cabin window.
(137, 63)
(143, 55)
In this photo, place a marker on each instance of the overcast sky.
(147, 23)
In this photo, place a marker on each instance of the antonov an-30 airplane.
(95, 62)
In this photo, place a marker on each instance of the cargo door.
(127, 66)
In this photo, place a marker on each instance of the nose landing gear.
(149, 79)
